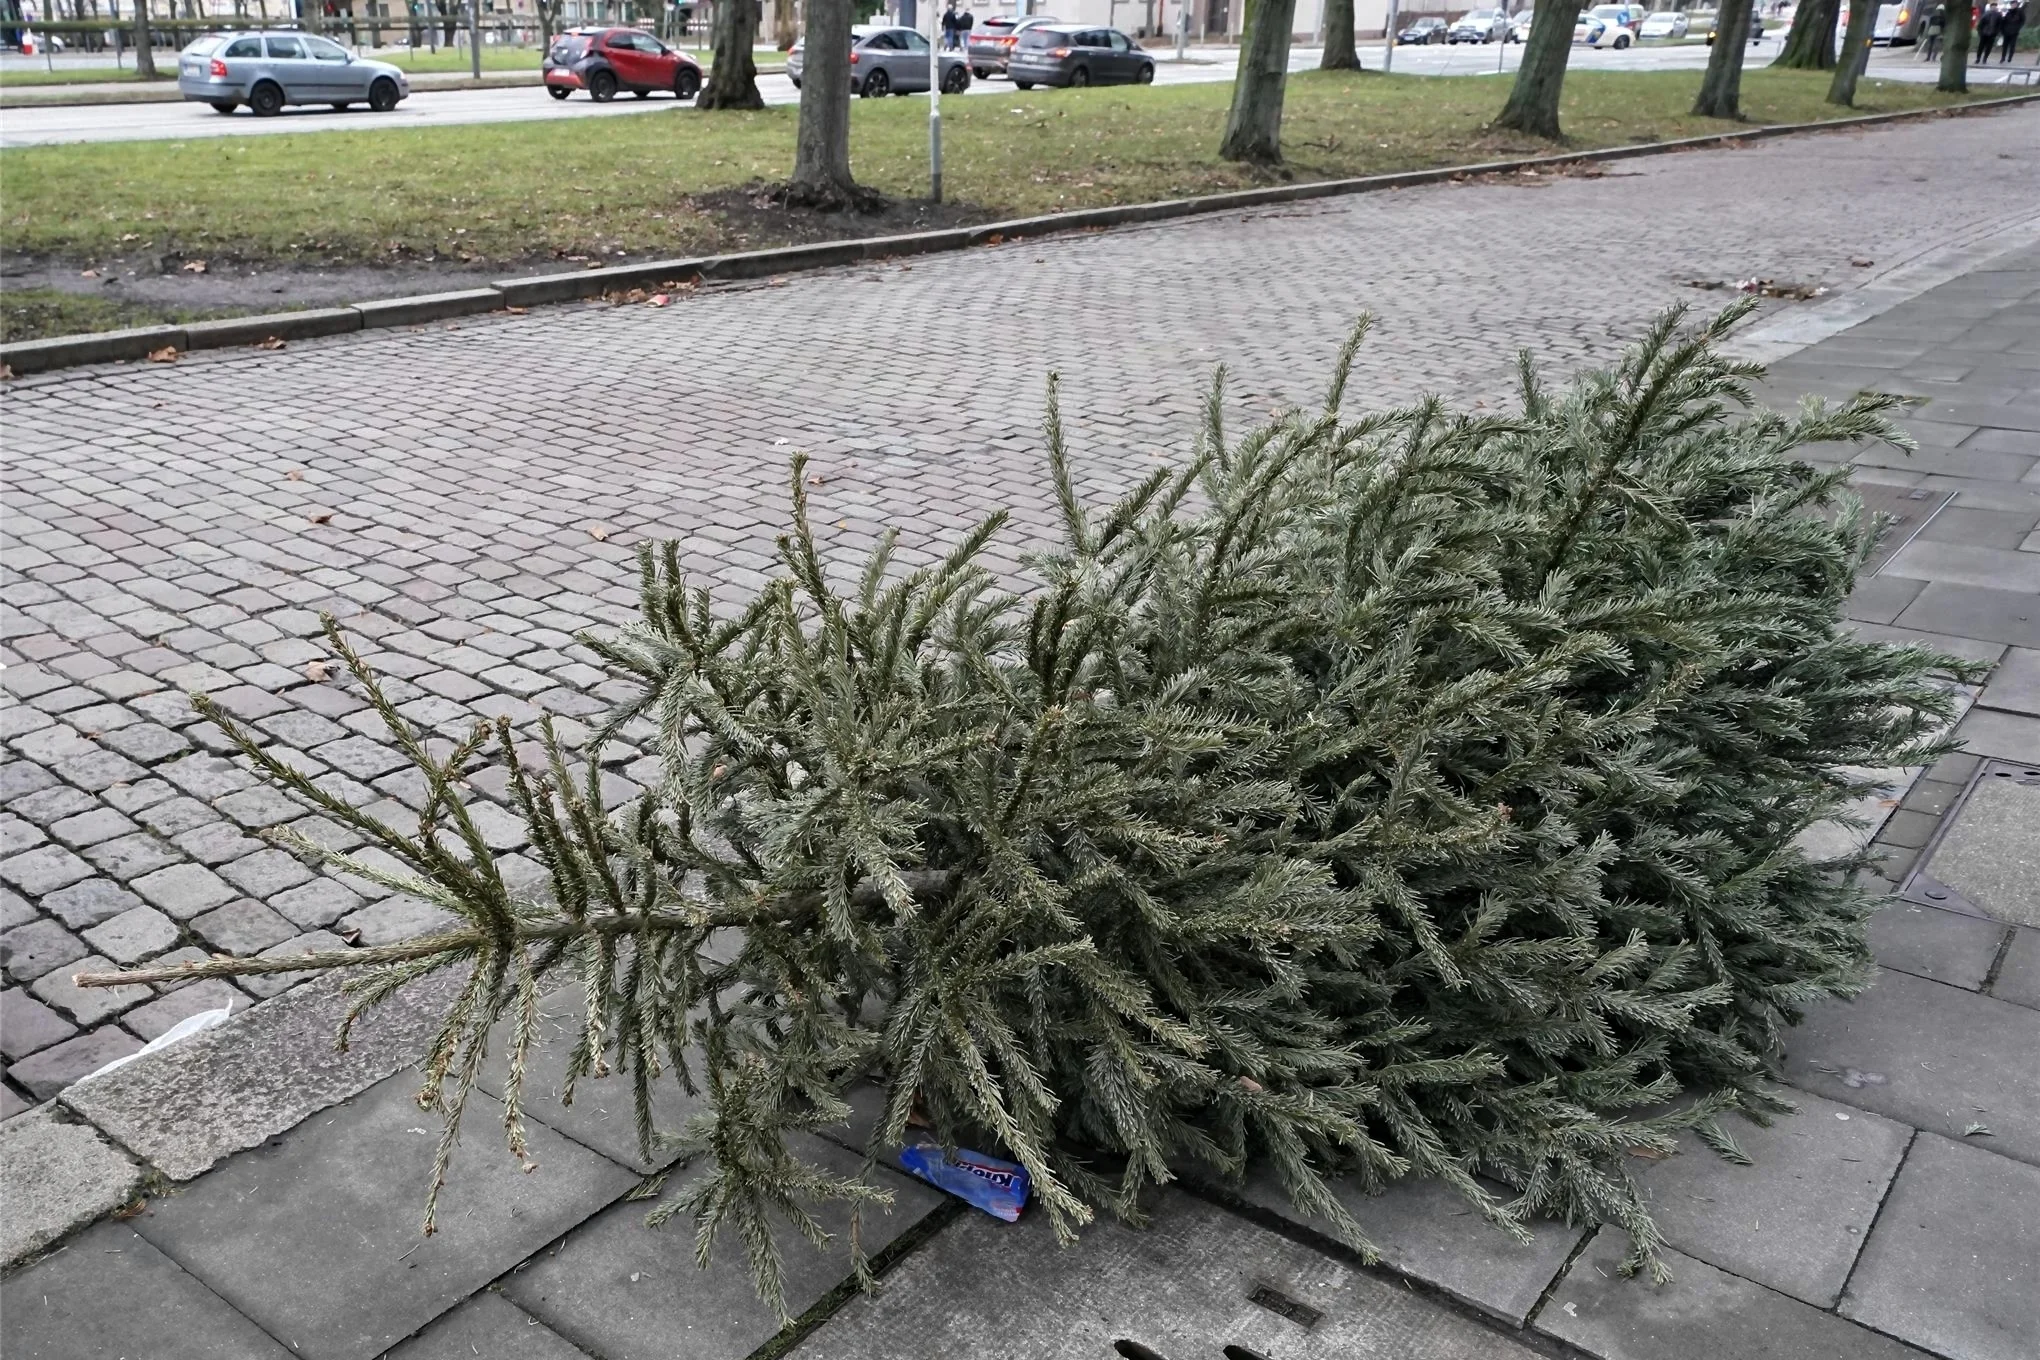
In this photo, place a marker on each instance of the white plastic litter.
(183, 1029)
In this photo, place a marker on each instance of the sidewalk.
(1897, 1213)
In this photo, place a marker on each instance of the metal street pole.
(934, 107)
(1502, 44)
(1182, 30)
(1388, 57)
(475, 38)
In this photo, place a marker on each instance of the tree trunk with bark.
(145, 46)
(1721, 87)
(1855, 54)
(1533, 99)
(732, 76)
(785, 25)
(1955, 50)
(821, 149)
(1253, 129)
(1810, 43)
(1340, 53)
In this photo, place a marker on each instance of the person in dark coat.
(2009, 24)
(1986, 31)
(949, 24)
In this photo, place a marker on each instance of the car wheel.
(602, 87)
(796, 83)
(1080, 77)
(1023, 84)
(955, 80)
(343, 107)
(982, 73)
(382, 96)
(558, 91)
(224, 106)
(1621, 43)
(266, 99)
(1146, 76)
(877, 85)
(687, 83)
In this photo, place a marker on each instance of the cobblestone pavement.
(468, 496)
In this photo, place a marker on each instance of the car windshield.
(568, 48)
(1616, 12)
(1478, 16)
(202, 46)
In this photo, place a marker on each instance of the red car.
(605, 60)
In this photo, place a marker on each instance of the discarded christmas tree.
(1410, 794)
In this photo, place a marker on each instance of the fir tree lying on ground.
(1411, 794)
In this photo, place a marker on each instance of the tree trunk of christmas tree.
(145, 47)
(1533, 99)
(1855, 55)
(1955, 51)
(1253, 130)
(1340, 53)
(1810, 44)
(733, 77)
(1721, 88)
(821, 150)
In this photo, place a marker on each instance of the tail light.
(219, 69)
(853, 58)
(1060, 52)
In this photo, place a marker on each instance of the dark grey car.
(886, 60)
(266, 71)
(1069, 54)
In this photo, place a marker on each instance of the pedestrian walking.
(949, 25)
(965, 22)
(2009, 24)
(1986, 31)
(1930, 47)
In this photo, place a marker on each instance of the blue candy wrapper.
(996, 1186)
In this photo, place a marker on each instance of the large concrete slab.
(604, 1111)
(1929, 1055)
(55, 1175)
(1928, 942)
(111, 1294)
(1954, 1263)
(2018, 979)
(230, 1088)
(623, 1291)
(1703, 1314)
(1424, 1228)
(316, 1235)
(1991, 851)
(489, 1326)
(1195, 1281)
(2015, 684)
(1795, 1219)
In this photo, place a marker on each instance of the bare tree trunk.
(1721, 87)
(1810, 43)
(1855, 54)
(1253, 130)
(1340, 53)
(1955, 50)
(1533, 99)
(733, 76)
(821, 149)
(145, 46)
(785, 25)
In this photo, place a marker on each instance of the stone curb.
(71, 351)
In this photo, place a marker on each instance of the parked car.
(1897, 24)
(1628, 16)
(605, 60)
(1519, 27)
(1429, 29)
(992, 41)
(1663, 25)
(1756, 29)
(1478, 26)
(1064, 54)
(1596, 32)
(266, 71)
(886, 60)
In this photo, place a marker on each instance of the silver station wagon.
(265, 71)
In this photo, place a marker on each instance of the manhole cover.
(1986, 859)
(1906, 510)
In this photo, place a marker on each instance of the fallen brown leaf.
(659, 300)
(194, 266)
(315, 671)
(132, 1209)
(271, 342)
(323, 517)
(1860, 262)
(598, 532)
(295, 475)
(165, 355)
(517, 311)
(88, 273)
(6, 373)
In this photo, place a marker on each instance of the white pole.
(1502, 44)
(1182, 29)
(934, 105)
(1388, 57)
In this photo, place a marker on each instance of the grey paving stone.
(185, 890)
(1795, 1219)
(97, 770)
(113, 1295)
(219, 842)
(320, 902)
(358, 756)
(261, 806)
(1950, 1266)
(207, 994)
(27, 1025)
(146, 743)
(17, 835)
(2006, 616)
(242, 927)
(1425, 1229)
(397, 918)
(1926, 1054)
(133, 935)
(206, 777)
(1928, 942)
(10, 1106)
(487, 1325)
(1703, 1314)
(130, 857)
(48, 805)
(2018, 978)
(239, 1229)
(178, 815)
(88, 903)
(90, 828)
(2015, 684)
(623, 1292)
(185, 1108)
(139, 797)
(2008, 736)
(311, 942)
(52, 1070)
(37, 948)
(266, 873)
(55, 1175)
(43, 869)
(1991, 852)
(1183, 1287)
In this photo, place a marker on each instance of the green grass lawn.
(81, 75)
(27, 313)
(516, 194)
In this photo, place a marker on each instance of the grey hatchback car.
(1065, 54)
(265, 71)
(886, 60)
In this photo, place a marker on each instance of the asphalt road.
(176, 122)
